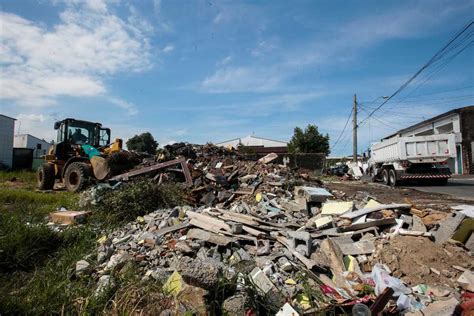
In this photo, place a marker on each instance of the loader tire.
(385, 177)
(45, 176)
(76, 176)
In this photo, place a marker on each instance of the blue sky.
(201, 71)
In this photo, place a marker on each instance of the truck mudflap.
(424, 176)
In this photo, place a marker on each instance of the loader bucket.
(100, 167)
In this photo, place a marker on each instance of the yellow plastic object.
(258, 197)
(174, 284)
(290, 282)
(303, 300)
(140, 219)
(372, 203)
(102, 239)
(350, 263)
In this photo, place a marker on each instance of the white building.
(253, 141)
(7, 127)
(459, 122)
(40, 146)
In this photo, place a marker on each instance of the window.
(79, 135)
(38, 146)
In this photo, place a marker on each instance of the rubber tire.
(442, 182)
(45, 176)
(385, 178)
(393, 178)
(76, 176)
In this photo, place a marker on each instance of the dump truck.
(82, 152)
(417, 158)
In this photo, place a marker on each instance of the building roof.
(433, 119)
(251, 136)
(11, 118)
(42, 140)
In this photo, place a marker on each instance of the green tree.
(309, 141)
(143, 143)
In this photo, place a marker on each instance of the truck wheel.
(393, 178)
(45, 176)
(441, 182)
(386, 179)
(76, 176)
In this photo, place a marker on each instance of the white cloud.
(219, 18)
(224, 61)
(72, 58)
(241, 79)
(128, 106)
(38, 125)
(263, 48)
(168, 48)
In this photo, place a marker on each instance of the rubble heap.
(302, 248)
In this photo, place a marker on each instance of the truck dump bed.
(416, 149)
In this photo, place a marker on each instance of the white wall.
(7, 126)
(253, 141)
(29, 141)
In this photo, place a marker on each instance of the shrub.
(137, 199)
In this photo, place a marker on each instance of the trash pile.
(299, 247)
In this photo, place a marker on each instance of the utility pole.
(354, 129)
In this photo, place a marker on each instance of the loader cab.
(72, 134)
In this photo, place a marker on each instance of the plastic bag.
(383, 279)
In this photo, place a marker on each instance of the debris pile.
(300, 247)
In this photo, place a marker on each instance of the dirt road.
(385, 194)
(459, 187)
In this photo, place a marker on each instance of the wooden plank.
(166, 230)
(253, 231)
(380, 222)
(368, 210)
(216, 239)
(215, 222)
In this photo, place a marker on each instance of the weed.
(23, 246)
(136, 199)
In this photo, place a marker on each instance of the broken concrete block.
(236, 228)
(69, 217)
(301, 240)
(82, 267)
(466, 281)
(263, 247)
(202, 273)
(441, 308)
(323, 222)
(362, 247)
(235, 305)
(447, 227)
(336, 208)
(261, 280)
(418, 224)
(313, 194)
(292, 206)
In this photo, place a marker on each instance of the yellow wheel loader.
(81, 153)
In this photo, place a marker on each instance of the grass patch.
(21, 176)
(136, 199)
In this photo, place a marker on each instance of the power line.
(433, 59)
(342, 132)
